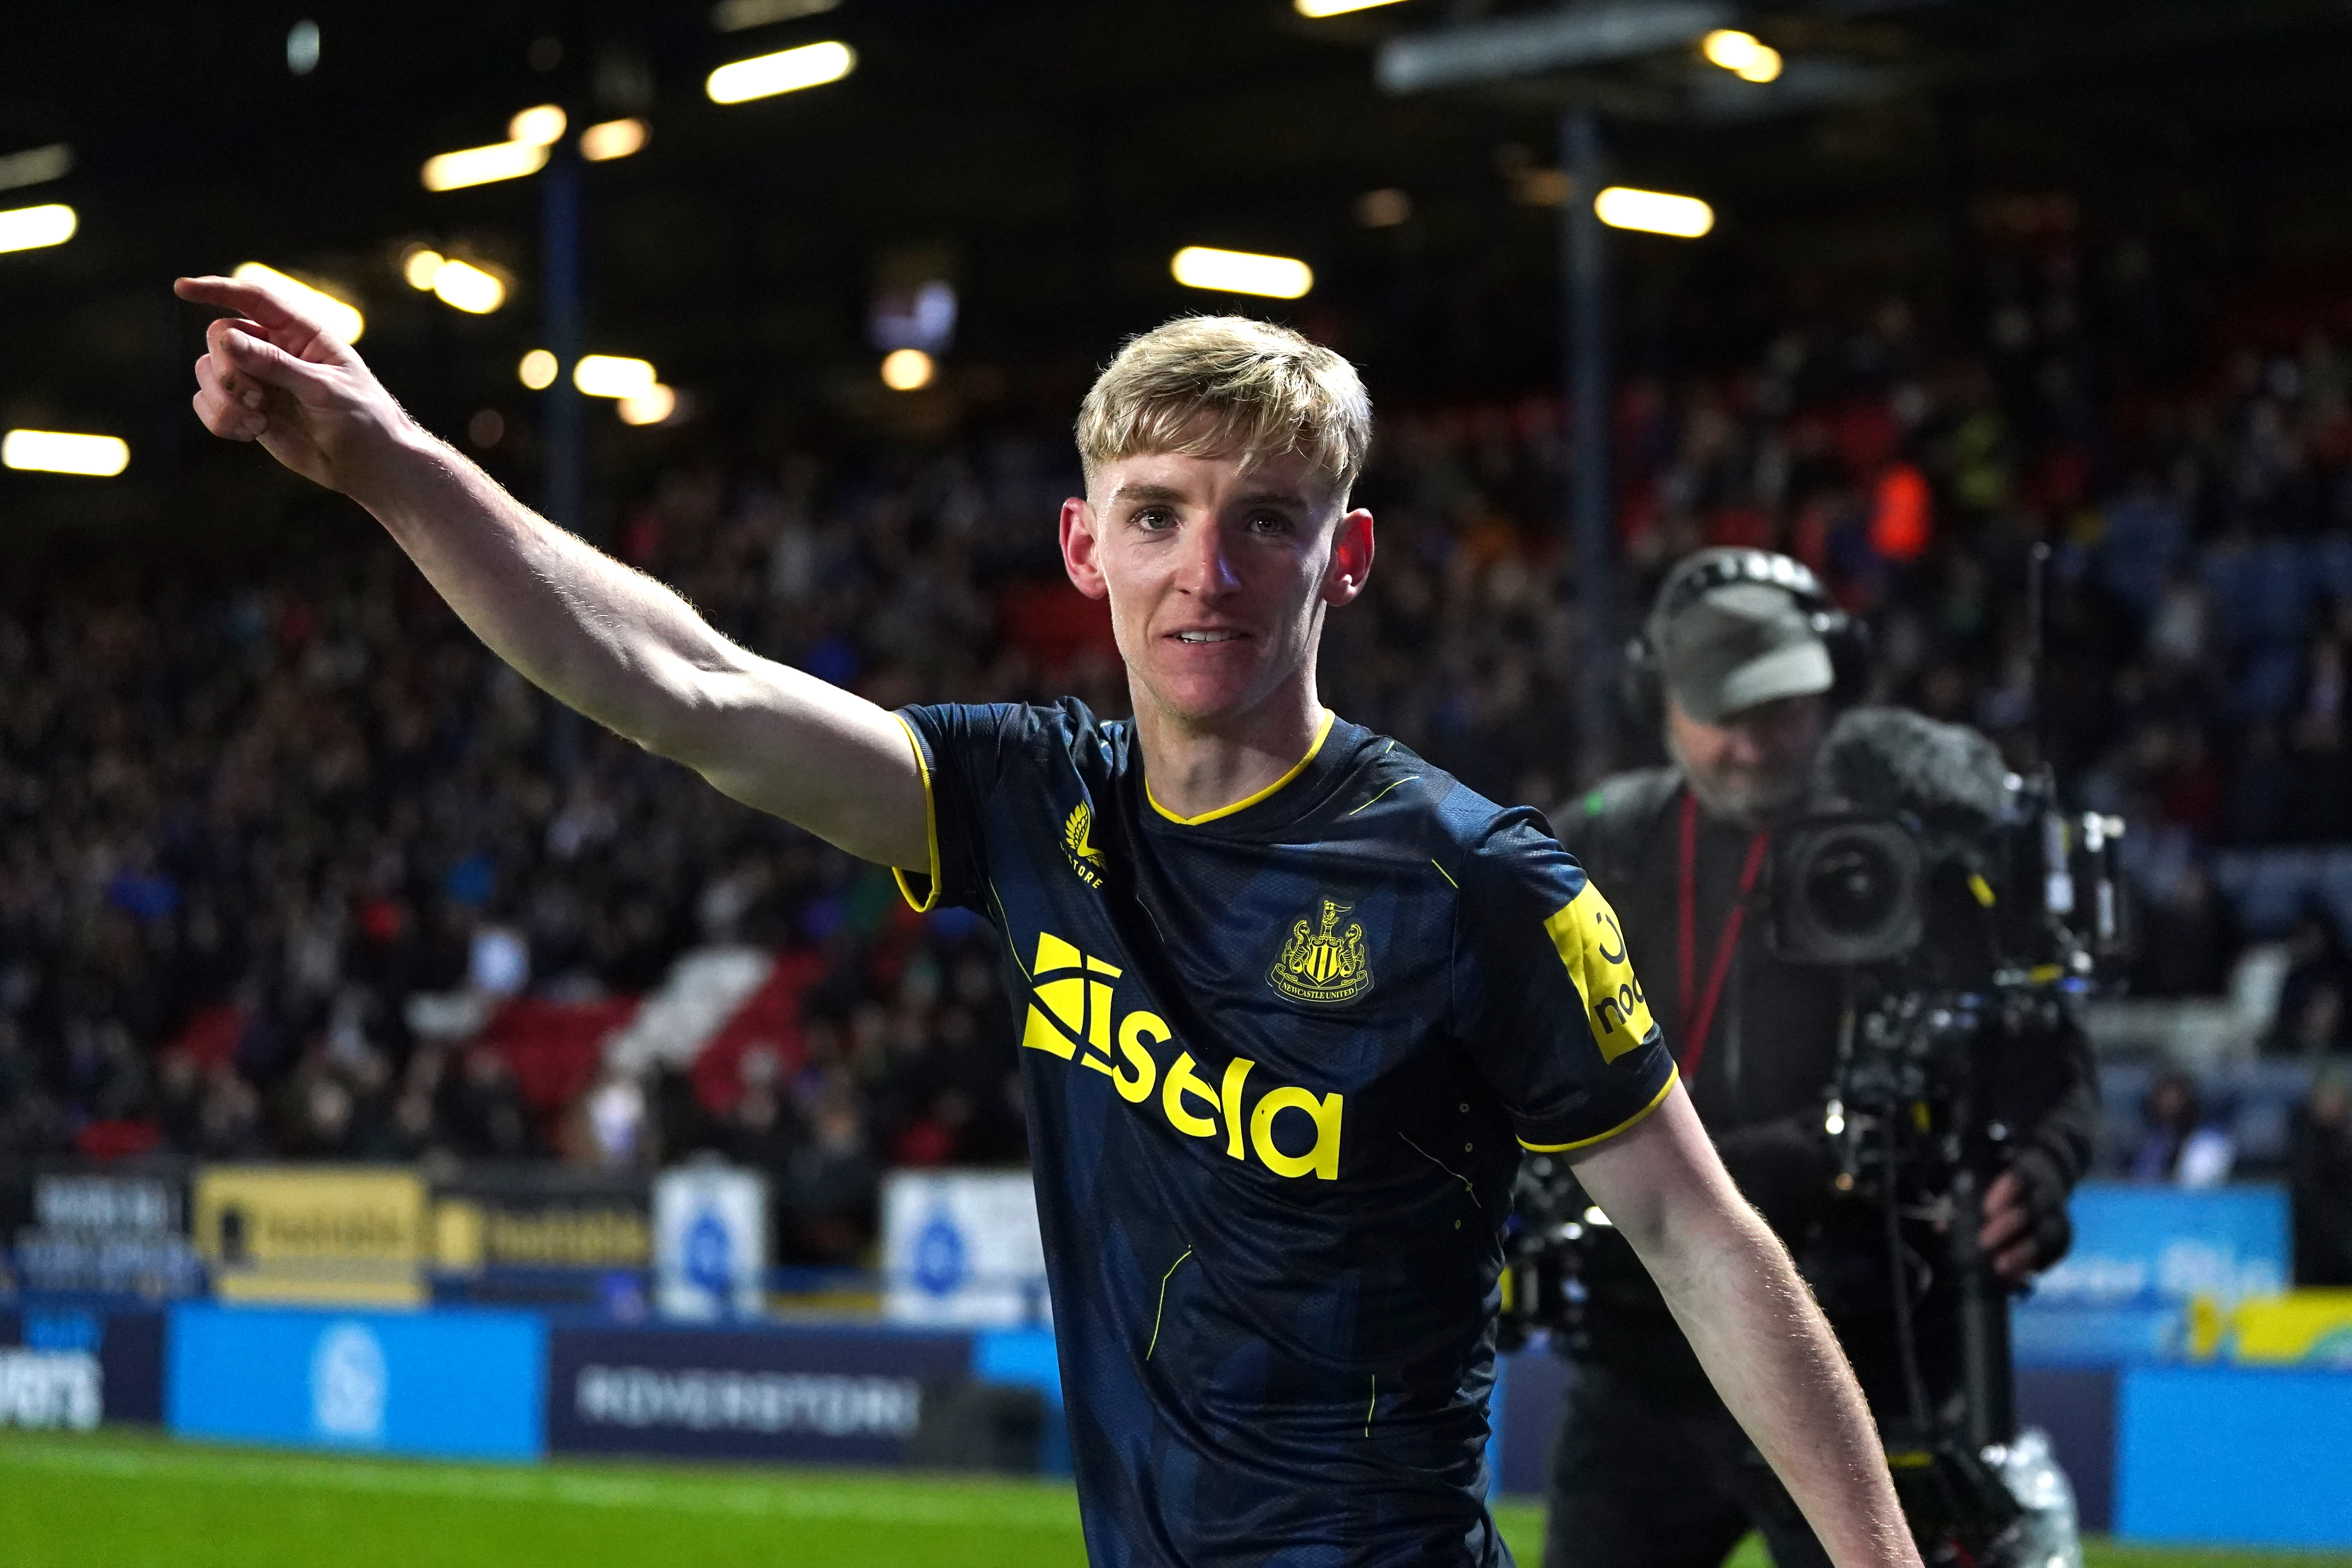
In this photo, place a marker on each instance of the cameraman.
(1649, 1470)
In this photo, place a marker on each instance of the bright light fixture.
(908, 370)
(339, 317)
(419, 264)
(481, 165)
(1742, 54)
(537, 370)
(789, 70)
(469, 287)
(30, 228)
(302, 47)
(56, 452)
(1319, 8)
(612, 375)
(612, 138)
(1729, 48)
(651, 407)
(1242, 272)
(35, 165)
(541, 126)
(1762, 65)
(1654, 212)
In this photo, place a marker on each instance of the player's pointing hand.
(271, 373)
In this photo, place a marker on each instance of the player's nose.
(1205, 564)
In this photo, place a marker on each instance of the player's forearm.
(1771, 1355)
(597, 635)
(632, 655)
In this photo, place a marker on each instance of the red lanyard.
(1697, 1022)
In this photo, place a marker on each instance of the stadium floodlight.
(420, 264)
(1742, 54)
(467, 288)
(537, 370)
(612, 138)
(1729, 48)
(30, 228)
(1320, 8)
(302, 47)
(651, 407)
(339, 317)
(908, 370)
(1654, 212)
(788, 70)
(36, 166)
(614, 375)
(481, 165)
(1241, 272)
(60, 452)
(541, 126)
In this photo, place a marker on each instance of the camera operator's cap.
(1744, 639)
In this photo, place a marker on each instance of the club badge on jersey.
(1323, 965)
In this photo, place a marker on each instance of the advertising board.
(816, 1394)
(2136, 1244)
(108, 1232)
(2244, 1455)
(491, 1217)
(453, 1382)
(962, 1250)
(70, 1363)
(289, 1233)
(710, 1243)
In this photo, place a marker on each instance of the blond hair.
(1205, 384)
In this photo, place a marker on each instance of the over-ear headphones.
(1847, 640)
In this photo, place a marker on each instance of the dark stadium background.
(2073, 274)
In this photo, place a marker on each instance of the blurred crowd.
(250, 811)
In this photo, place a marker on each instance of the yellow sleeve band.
(1673, 1076)
(930, 826)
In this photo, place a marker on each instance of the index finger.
(256, 301)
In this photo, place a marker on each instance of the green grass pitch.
(120, 1500)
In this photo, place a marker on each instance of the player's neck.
(1194, 767)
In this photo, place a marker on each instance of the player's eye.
(1154, 520)
(1269, 522)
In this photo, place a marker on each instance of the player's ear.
(1081, 551)
(1351, 558)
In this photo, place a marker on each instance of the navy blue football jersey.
(1280, 1061)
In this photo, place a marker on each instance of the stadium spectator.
(2180, 1144)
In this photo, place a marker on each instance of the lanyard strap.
(1697, 1020)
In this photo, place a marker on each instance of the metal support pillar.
(563, 436)
(564, 483)
(1585, 358)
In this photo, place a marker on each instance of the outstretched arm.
(1757, 1330)
(597, 634)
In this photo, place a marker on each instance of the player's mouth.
(1197, 638)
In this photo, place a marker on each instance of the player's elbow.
(684, 710)
(1695, 1238)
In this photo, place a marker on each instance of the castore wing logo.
(1325, 964)
(1077, 842)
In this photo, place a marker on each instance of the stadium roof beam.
(1484, 53)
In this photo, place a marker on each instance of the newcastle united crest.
(1324, 963)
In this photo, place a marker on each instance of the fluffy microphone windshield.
(1887, 760)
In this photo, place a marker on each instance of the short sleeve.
(961, 751)
(1544, 993)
